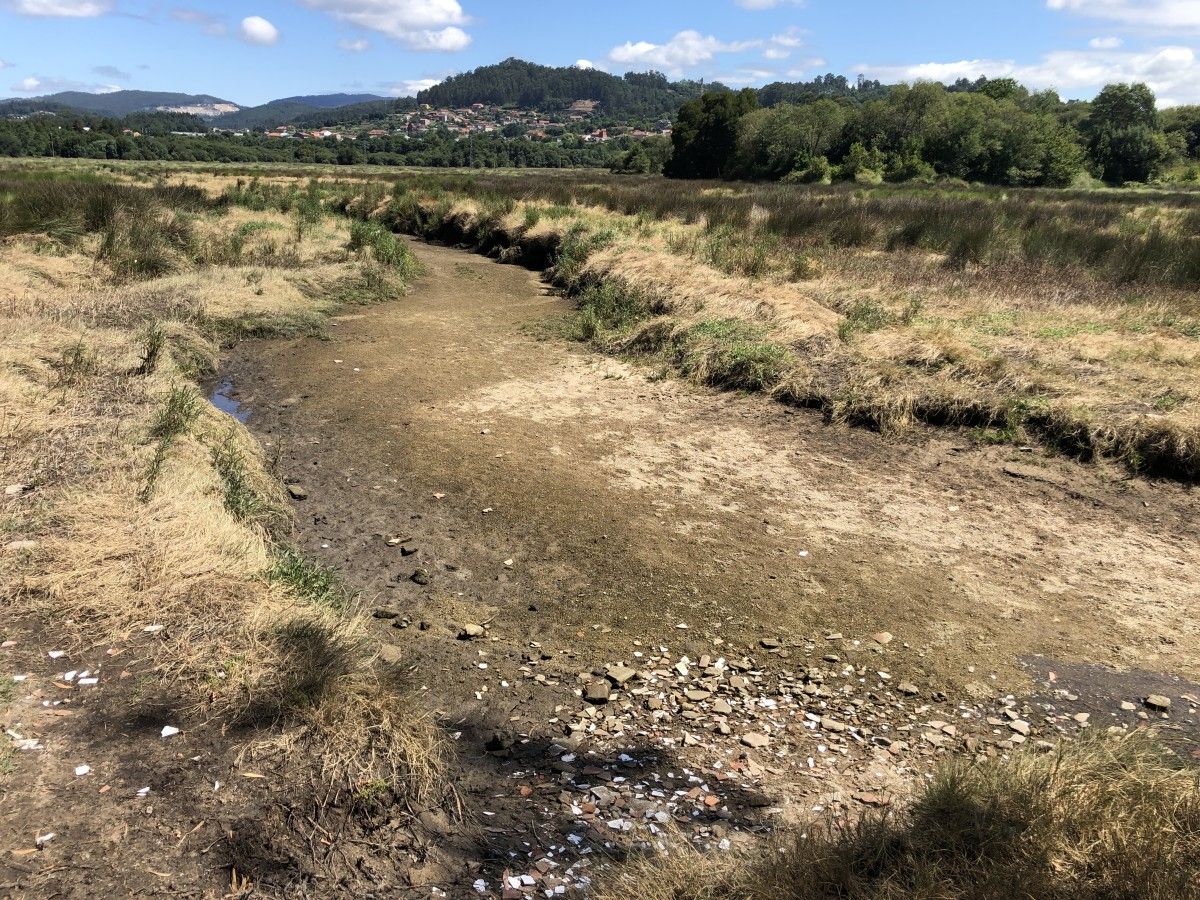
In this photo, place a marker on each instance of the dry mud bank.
(637, 605)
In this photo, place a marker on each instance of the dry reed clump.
(149, 508)
(1101, 818)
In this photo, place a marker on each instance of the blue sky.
(253, 52)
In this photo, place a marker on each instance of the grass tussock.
(1102, 818)
(152, 507)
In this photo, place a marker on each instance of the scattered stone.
(755, 740)
(385, 614)
(597, 692)
(883, 638)
(1127, 706)
(296, 492)
(391, 654)
(619, 675)
(769, 644)
(870, 799)
(1020, 726)
(908, 689)
(16, 546)
(421, 577)
(469, 632)
(169, 731)
(1158, 702)
(16, 490)
(697, 695)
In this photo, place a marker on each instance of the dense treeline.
(994, 131)
(93, 138)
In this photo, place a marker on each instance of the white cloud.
(411, 87)
(780, 46)
(356, 46)
(59, 9)
(685, 50)
(42, 84)
(747, 76)
(257, 30)
(418, 24)
(1172, 72)
(4, 64)
(1105, 43)
(1158, 15)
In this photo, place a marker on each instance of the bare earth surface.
(861, 603)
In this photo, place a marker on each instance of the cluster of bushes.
(995, 132)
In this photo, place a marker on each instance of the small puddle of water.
(222, 399)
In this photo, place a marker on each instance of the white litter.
(55, 654)
(20, 677)
(142, 792)
(44, 839)
(169, 731)
(153, 629)
(86, 682)
(80, 771)
(803, 554)
(70, 676)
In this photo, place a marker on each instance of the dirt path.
(584, 511)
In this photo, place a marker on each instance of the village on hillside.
(480, 118)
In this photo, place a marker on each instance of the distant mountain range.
(121, 103)
(223, 113)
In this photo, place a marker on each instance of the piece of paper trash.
(80, 771)
(56, 654)
(153, 629)
(142, 792)
(169, 731)
(44, 839)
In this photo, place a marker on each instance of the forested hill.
(515, 82)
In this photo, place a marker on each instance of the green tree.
(1124, 137)
(705, 134)
(773, 142)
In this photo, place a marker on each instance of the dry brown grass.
(1099, 819)
(135, 524)
(885, 339)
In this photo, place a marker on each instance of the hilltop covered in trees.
(993, 131)
(515, 82)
